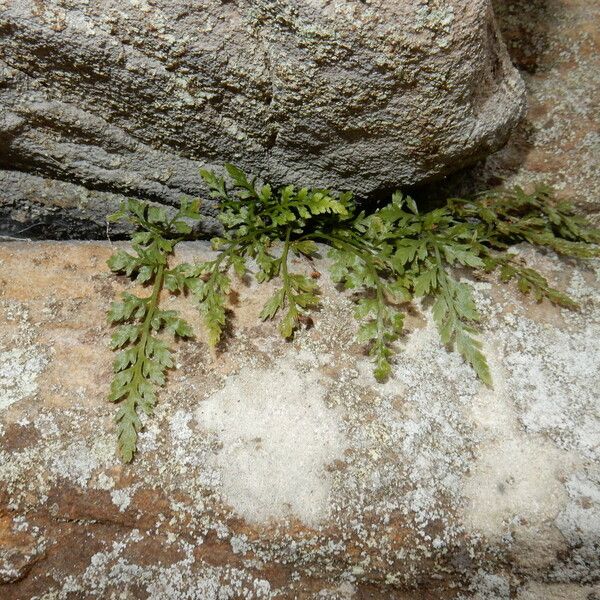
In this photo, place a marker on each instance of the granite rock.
(132, 98)
(555, 44)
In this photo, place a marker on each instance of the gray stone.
(132, 98)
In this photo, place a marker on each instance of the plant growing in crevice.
(390, 256)
(387, 258)
(143, 357)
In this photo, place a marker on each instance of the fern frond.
(143, 358)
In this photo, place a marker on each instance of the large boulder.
(132, 98)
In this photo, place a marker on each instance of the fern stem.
(152, 306)
(150, 312)
(442, 277)
(283, 264)
(366, 258)
(226, 254)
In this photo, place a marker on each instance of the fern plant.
(143, 357)
(386, 258)
(389, 257)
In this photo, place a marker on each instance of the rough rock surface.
(282, 470)
(130, 98)
(555, 44)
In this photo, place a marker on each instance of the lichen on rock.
(430, 481)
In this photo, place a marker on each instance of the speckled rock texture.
(277, 470)
(555, 44)
(107, 98)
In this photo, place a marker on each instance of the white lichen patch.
(181, 579)
(121, 498)
(538, 429)
(488, 586)
(278, 438)
(555, 378)
(78, 461)
(21, 361)
(21, 546)
(71, 454)
(579, 524)
(410, 447)
(514, 476)
(551, 591)
(19, 369)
